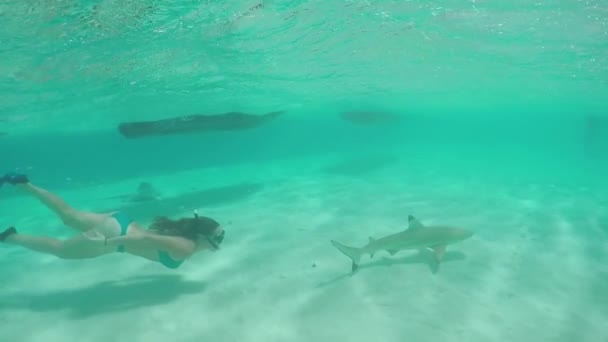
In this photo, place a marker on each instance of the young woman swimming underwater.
(169, 242)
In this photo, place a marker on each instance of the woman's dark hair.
(189, 228)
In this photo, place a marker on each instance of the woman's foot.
(7, 232)
(14, 178)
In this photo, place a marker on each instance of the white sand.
(535, 270)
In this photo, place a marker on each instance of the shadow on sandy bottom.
(360, 166)
(168, 206)
(423, 257)
(105, 297)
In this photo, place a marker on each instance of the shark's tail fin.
(353, 253)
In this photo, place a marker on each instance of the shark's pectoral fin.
(439, 252)
(371, 240)
(392, 251)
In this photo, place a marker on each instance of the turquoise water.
(484, 115)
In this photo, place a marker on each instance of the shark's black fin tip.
(410, 218)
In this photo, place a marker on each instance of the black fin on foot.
(7, 232)
(15, 178)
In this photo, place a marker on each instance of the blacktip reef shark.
(416, 237)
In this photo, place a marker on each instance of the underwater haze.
(298, 123)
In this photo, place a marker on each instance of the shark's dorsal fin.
(414, 224)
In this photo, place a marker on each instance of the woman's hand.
(134, 236)
(94, 235)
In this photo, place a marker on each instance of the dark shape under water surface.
(369, 118)
(195, 124)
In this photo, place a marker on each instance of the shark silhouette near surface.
(197, 123)
(416, 237)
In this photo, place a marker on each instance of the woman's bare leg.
(80, 220)
(78, 247)
(36, 243)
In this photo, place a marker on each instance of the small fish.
(416, 237)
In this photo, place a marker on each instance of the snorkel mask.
(214, 240)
